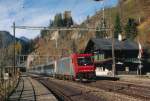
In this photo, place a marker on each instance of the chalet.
(126, 55)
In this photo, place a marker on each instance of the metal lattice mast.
(113, 50)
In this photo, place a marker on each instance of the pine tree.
(51, 23)
(67, 22)
(58, 21)
(131, 29)
(70, 22)
(43, 33)
(117, 27)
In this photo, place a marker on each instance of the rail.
(33, 89)
(21, 90)
(128, 89)
(56, 91)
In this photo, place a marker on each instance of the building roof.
(106, 44)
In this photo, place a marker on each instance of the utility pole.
(1, 61)
(113, 55)
(14, 29)
(113, 48)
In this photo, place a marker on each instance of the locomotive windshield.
(84, 61)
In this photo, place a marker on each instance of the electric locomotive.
(76, 67)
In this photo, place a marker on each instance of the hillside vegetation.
(7, 48)
(70, 40)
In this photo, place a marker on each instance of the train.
(78, 67)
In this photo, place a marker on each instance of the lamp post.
(113, 49)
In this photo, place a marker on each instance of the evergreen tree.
(67, 22)
(131, 29)
(58, 21)
(43, 33)
(70, 22)
(117, 27)
(51, 23)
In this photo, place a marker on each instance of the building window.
(98, 57)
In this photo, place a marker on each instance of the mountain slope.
(67, 40)
(24, 39)
(5, 38)
(137, 9)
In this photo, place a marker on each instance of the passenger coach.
(74, 67)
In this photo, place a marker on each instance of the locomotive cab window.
(84, 61)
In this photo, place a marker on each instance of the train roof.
(81, 55)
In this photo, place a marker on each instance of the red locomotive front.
(83, 66)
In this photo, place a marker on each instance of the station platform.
(29, 89)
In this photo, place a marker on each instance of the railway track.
(21, 80)
(24, 92)
(56, 91)
(129, 89)
(65, 92)
(100, 90)
(33, 89)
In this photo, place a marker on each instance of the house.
(126, 55)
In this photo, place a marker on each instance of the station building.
(126, 56)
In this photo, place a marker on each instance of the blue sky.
(39, 12)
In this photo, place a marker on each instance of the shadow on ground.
(107, 78)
